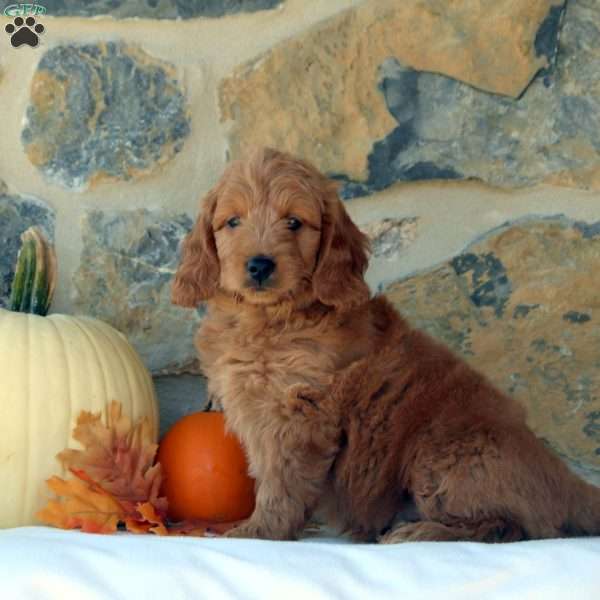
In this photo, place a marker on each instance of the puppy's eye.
(233, 222)
(293, 223)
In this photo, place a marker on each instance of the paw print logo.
(24, 32)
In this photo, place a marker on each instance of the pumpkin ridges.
(134, 378)
(13, 460)
(122, 358)
(116, 363)
(100, 359)
(124, 366)
(28, 436)
(65, 371)
(51, 369)
(137, 377)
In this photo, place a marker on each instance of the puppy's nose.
(260, 268)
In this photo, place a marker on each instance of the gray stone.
(152, 9)
(389, 237)
(127, 264)
(589, 230)
(17, 213)
(103, 111)
(449, 130)
(178, 396)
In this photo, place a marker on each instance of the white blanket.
(42, 563)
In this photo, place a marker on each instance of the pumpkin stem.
(35, 274)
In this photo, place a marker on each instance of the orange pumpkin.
(205, 473)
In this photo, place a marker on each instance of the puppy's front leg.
(294, 474)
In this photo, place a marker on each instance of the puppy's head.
(271, 230)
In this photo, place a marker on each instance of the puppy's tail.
(584, 508)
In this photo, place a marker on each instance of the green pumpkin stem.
(18, 285)
(29, 260)
(35, 275)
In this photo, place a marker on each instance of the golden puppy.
(341, 407)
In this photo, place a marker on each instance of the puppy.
(342, 408)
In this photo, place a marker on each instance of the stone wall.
(465, 136)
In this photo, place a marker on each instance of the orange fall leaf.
(116, 481)
(119, 456)
(79, 506)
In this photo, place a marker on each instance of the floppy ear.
(343, 258)
(197, 277)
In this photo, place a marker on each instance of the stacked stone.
(503, 92)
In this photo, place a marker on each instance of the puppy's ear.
(197, 277)
(343, 257)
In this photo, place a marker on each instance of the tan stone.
(522, 306)
(587, 179)
(323, 85)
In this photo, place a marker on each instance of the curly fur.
(343, 409)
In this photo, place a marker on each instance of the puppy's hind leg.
(497, 530)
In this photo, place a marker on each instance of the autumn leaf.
(148, 521)
(81, 505)
(115, 481)
(119, 456)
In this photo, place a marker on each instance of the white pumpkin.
(51, 368)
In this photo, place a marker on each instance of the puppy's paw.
(246, 529)
(402, 532)
(425, 531)
(253, 530)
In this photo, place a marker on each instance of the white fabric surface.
(42, 563)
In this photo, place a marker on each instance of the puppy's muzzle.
(260, 268)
